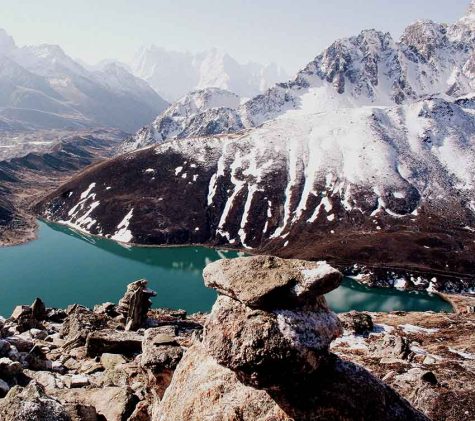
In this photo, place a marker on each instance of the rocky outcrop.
(263, 358)
(429, 358)
(135, 304)
(85, 364)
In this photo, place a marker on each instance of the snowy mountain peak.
(200, 113)
(468, 20)
(7, 44)
(47, 60)
(173, 74)
(471, 10)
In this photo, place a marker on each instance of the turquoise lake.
(64, 267)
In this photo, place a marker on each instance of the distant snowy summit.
(200, 113)
(370, 69)
(41, 87)
(173, 74)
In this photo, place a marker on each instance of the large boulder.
(268, 282)
(202, 389)
(267, 348)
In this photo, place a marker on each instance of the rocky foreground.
(270, 349)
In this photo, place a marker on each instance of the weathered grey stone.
(109, 361)
(114, 342)
(268, 282)
(31, 404)
(264, 348)
(391, 346)
(111, 403)
(21, 311)
(135, 304)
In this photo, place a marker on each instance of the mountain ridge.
(45, 88)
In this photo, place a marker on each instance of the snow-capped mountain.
(368, 155)
(173, 74)
(370, 69)
(199, 113)
(45, 88)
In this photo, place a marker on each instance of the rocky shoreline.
(269, 350)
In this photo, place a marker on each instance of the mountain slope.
(42, 87)
(173, 74)
(37, 163)
(309, 177)
(356, 160)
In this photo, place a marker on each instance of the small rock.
(4, 388)
(58, 367)
(429, 360)
(391, 360)
(21, 344)
(110, 403)
(9, 368)
(21, 311)
(79, 412)
(38, 334)
(160, 351)
(388, 376)
(109, 361)
(90, 367)
(38, 309)
(360, 323)
(391, 346)
(4, 347)
(76, 380)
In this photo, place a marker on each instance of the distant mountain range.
(173, 74)
(41, 87)
(367, 155)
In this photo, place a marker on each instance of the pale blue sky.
(288, 32)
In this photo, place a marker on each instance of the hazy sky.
(288, 32)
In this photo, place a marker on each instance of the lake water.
(65, 267)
